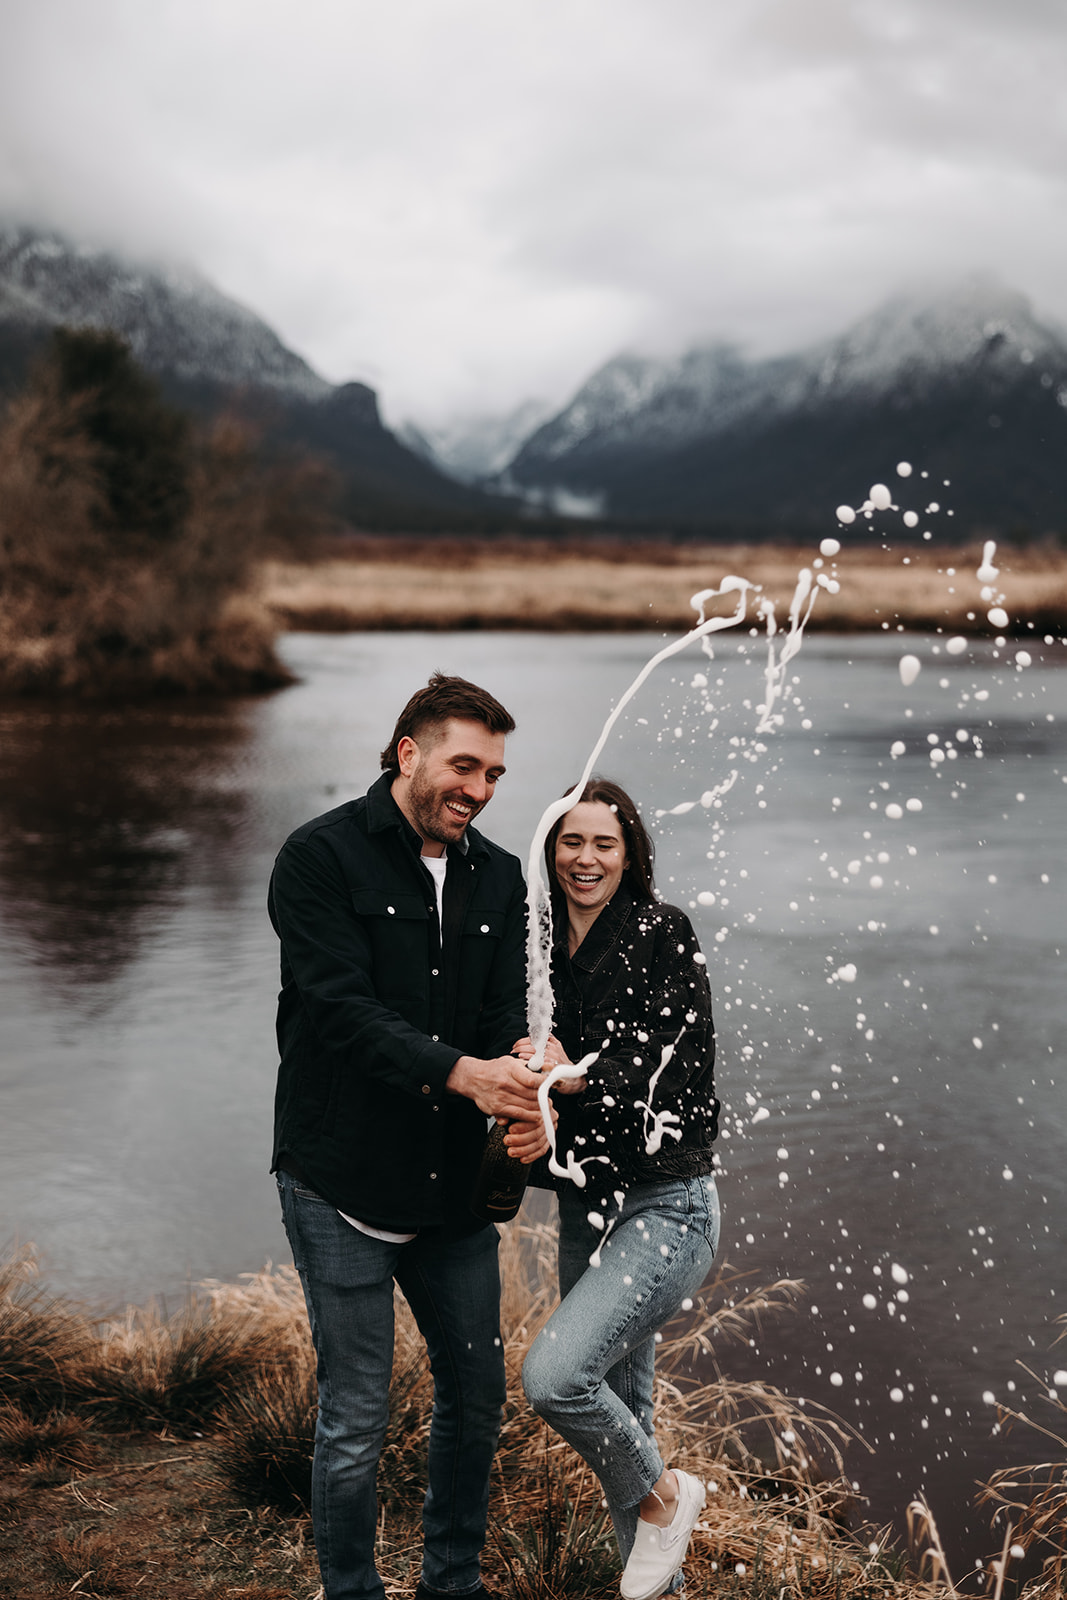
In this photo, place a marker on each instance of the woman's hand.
(555, 1056)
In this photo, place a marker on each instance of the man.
(403, 987)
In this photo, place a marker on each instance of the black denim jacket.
(376, 1008)
(636, 989)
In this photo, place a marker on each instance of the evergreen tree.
(142, 446)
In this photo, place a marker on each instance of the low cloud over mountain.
(968, 385)
(209, 352)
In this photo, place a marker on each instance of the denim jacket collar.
(604, 933)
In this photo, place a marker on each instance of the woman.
(629, 982)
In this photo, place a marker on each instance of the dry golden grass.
(485, 585)
(1031, 1501)
(778, 1510)
(43, 1342)
(227, 1515)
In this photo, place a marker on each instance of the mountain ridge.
(210, 353)
(969, 377)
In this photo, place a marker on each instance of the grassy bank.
(390, 584)
(172, 1458)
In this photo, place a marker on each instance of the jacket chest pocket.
(390, 906)
(487, 926)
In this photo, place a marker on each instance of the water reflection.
(102, 813)
(870, 1123)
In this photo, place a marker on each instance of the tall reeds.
(1031, 1501)
(236, 1366)
(778, 1501)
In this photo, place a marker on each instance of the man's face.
(447, 779)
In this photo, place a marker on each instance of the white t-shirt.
(438, 866)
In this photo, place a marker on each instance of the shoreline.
(389, 585)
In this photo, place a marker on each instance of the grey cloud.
(470, 203)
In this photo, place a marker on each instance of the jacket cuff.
(431, 1067)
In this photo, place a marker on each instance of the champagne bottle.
(501, 1181)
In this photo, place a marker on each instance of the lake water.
(906, 1115)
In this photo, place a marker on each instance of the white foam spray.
(539, 930)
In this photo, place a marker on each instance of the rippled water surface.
(910, 1114)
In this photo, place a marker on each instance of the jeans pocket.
(302, 1192)
(710, 1218)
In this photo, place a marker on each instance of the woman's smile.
(590, 855)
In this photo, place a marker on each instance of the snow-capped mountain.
(210, 352)
(475, 447)
(968, 381)
(172, 319)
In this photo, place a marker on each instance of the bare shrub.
(57, 1439)
(266, 1437)
(150, 1371)
(94, 1560)
(113, 581)
(43, 1343)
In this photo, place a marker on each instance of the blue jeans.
(452, 1284)
(589, 1372)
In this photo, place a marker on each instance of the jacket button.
(435, 1038)
(485, 927)
(426, 1088)
(391, 910)
(433, 1175)
(434, 972)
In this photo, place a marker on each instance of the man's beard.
(432, 820)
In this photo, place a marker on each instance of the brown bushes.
(112, 582)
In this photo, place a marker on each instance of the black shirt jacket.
(635, 989)
(376, 1007)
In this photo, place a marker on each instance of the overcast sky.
(469, 202)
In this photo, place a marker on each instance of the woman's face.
(590, 855)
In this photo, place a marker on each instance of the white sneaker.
(659, 1552)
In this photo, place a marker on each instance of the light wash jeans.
(452, 1285)
(589, 1372)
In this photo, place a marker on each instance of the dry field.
(390, 584)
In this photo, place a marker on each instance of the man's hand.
(502, 1088)
(526, 1140)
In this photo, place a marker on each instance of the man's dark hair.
(640, 851)
(442, 699)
